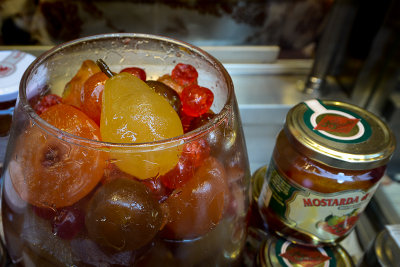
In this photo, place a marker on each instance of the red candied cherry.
(197, 151)
(193, 155)
(196, 100)
(186, 121)
(45, 102)
(180, 174)
(68, 222)
(184, 74)
(138, 72)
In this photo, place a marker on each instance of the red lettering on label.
(349, 201)
(336, 124)
(307, 202)
(329, 202)
(364, 197)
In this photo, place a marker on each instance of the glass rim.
(186, 137)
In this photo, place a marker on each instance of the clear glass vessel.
(71, 201)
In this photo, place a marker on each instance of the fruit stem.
(104, 68)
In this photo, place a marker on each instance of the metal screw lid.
(279, 252)
(339, 134)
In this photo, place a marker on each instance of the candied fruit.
(133, 113)
(167, 92)
(179, 175)
(123, 215)
(68, 222)
(197, 206)
(196, 100)
(73, 89)
(92, 95)
(50, 173)
(184, 74)
(138, 72)
(167, 80)
(45, 102)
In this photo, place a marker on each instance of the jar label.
(289, 254)
(335, 123)
(324, 215)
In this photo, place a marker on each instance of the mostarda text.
(331, 202)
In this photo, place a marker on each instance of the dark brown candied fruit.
(159, 191)
(167, 92)
(123, 215)
(203, 119)
(167, 80)
(197, 206)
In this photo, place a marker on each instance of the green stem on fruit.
(104, 68)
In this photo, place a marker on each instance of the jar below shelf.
(279, 252)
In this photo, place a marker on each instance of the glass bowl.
(73, 201)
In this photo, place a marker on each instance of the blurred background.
(278, 52)
(293, 25)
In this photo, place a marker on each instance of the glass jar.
(73, 201)
(326, 165)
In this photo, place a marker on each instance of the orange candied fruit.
(52, 173)
(72, 91)
(92, 95)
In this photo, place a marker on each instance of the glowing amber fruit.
(197, 207)
(92, 94)
(73, 89)
(133, 113)
(49, 172)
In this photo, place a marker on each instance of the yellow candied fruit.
(133, 113)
